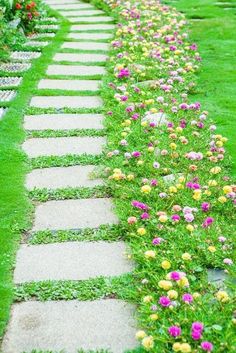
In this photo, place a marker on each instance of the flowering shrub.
(168, 170)
(28, 12)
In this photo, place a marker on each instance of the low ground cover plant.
(168, 169)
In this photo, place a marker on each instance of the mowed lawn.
(213, 28)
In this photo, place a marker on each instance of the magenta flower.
(205, 206)
(145, 215)
(196, 335)
(175, 218)
(175, 276)
(174, 331)
(164, 301)
(208, 222)
(157, 241)
(197, 326)
(187, 298)
(136, 154)
(207, 346)
(123, 73)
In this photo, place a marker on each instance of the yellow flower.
(211, 248)
(163, 218)
(150, 254)
(147, 299)
(146, 189)
(176, 347)
(190, 228)
(144, 123)
(151, 149)
(183, 282)
(148, 342)
(227, 189)
(186, 256)
(196, 295)
(140, 335)
(172, 189)
(141, 231)
(166, 265)
(222, 199)
(154, 317)
(185, 348)
(140, 163)
(173, 146)
(212, 183)
(130, 177)
(215, 170)
(166, 285)
(172, 294)
(222, 296)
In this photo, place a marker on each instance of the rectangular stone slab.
(85, 45)
(63, 121)
(61, 146)
(70, 261)
(62, 177)
(80, 57)
(66, 102)
(92, 27)
(71, 325)
(90, 19)
(76, 6)
(74, 214)
(91, 36)
(69, 85)
(81, 13)
(75, 70)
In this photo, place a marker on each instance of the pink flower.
(197, 326)
(207, 346)
(175, 218)
(228, 262)
(123, 73)
(205, 206)
(145, 215)
(175, 276)
(157, 241)
(164, 301)
(174, 331)
(187, 298)
(196, 335)
(207, 222)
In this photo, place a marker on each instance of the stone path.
(71, 325)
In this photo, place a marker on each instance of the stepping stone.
(76, 6)
(66, 102)
(6, 95)
(2, 112)
(55, 2)
(42, 35)
(90, 19)
(63, 122)
(14, 67)
(91, 36)
(51, 27)
(70, 261)
(85, 45)
(80, 57)
(49, 19)
(62, 177)
(36, 44)
(92, 27)
(61, 146)
(71, 325)
(10, 81)
(75, 70)
(216, 276)
(79, 13)
(24, 55)
(74, 214)
(71, 85)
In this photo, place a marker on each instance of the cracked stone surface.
(36, 44)
(2, 112)
(85, 46)
(61, 146)
(63, 121)
(92, 27)
(66, 102)
(70, 261)
(90, 325)
(15, 67)
(69, 85)
(73, 214)
(75, 70)
(80, 57)
(24, 55)
(80, 13)
(62, 177)
(76, 6)
(7, 95)
(91, 36)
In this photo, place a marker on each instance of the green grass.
(214, 31)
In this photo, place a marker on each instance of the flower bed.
(169, 174)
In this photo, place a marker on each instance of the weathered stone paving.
(95, 325)
(70, 261)
(61, 146)
(71, 325)
(62, 177)
(74, 214)
(63, 121)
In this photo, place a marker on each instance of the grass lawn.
(213, 24)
